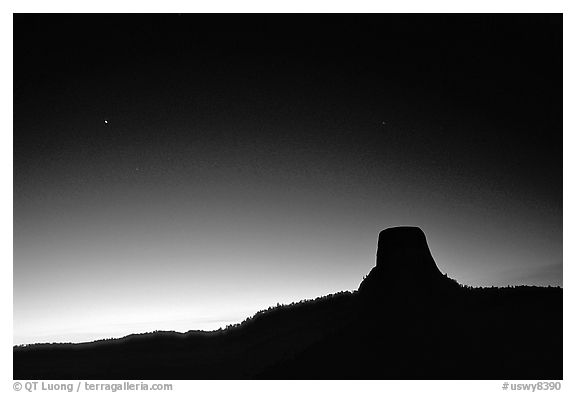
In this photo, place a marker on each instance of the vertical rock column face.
(403, 261)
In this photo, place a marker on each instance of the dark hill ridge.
(407, 321)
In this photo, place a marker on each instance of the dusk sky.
(178, 172)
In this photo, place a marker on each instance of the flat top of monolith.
(400, 245)
(401, 235)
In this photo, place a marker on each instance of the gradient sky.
(180, 172)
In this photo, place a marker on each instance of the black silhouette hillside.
(406, 321)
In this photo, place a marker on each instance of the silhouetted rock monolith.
(404, 264)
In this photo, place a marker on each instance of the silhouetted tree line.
(301, 305)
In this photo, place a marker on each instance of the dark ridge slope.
(407, 321)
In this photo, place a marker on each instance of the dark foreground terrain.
(406, 321)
